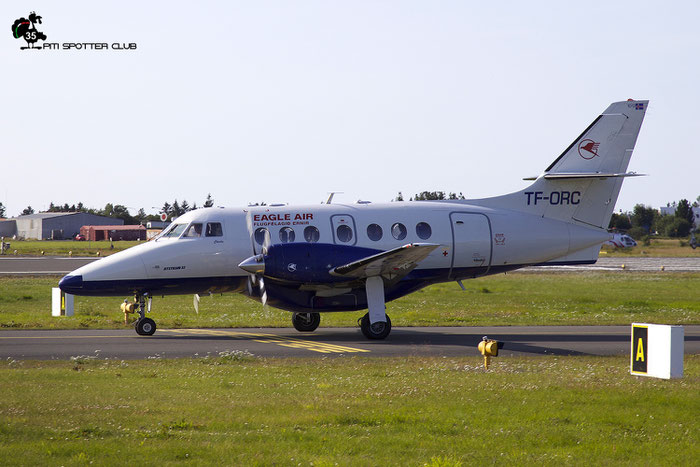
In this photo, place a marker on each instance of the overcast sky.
(285, 101)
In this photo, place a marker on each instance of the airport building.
(96, 233)
(52, 225)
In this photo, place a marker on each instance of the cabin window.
(344, 233)
(398, 231)
(423, 230)
(374, 232)
(260, 235)
(287, 235)
(214, 229)
(311, 234)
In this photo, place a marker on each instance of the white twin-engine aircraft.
(337, 257)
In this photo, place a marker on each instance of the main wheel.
(145, 327)
(378, 330)
(306, 322)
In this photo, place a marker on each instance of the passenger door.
(471, 244)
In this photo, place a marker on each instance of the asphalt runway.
(18, 265)
(32, 265)
(286, 342)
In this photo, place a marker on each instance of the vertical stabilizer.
(583, 183)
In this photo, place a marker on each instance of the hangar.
(53, 225)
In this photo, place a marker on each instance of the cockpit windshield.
(173, 231)
(194, 230)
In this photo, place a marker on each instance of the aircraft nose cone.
(71, 284)
(254, 265)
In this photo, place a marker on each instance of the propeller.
(255, 265)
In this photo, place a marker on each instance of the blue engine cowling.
(311, 262)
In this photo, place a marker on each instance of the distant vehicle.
(80, 237)
(621, 241)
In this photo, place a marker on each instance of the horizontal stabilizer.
(601, 175)
(397, 262)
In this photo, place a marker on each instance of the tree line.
(645, 220)
(431, 196)
(119, 211)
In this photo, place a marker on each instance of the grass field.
(510, 299)
(237, 409)
(64, 247)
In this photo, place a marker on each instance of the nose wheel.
(144, 326)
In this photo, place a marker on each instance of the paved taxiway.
(10, 265)
(286, 342)
(13, 265)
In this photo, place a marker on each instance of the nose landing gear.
(144, 326)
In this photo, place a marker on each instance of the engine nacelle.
(311, 262)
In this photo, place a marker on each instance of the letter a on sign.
(639, 349)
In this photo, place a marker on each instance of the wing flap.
(397, 262)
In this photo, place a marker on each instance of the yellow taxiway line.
(266, 338)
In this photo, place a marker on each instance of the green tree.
(685, 211)
(209, 201)
(620, 222)
(185, 206)
(141, 216)
(2, 210)
(28, 210)
(399, 197)
(643, 216)
(678, 227)
(166, 209)
(118, 211)
(175, 209)
(430, 196)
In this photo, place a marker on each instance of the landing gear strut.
(306, 322)
(144, 326)
(378, 330)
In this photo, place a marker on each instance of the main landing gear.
(306, 322)
(378, 330)
(144, 326)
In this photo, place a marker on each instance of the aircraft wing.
(397, 262)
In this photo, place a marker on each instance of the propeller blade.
(266, 242)
(196, 303)
(251, 233)
(250, 285)
(263, 292)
